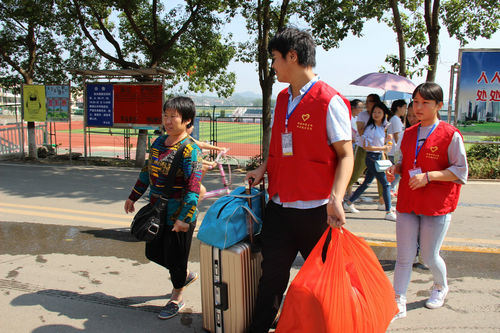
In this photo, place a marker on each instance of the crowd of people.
(314, 129)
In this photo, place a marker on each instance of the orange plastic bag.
(348, 292)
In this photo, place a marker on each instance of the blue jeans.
(432, 230)
(371, 173)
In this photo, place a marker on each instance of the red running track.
(113, 145)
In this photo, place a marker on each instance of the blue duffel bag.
(225, 222)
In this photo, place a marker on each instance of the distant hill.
(246, 98)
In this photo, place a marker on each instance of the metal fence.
(236, 127)
(13, 138)
(216, 125)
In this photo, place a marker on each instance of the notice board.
(137, 105)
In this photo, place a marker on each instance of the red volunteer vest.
(437, 197)
(310, 172)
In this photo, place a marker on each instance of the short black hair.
(355, 102)
(184, 105)
(429, 90)
(395, 105)
(297, 40)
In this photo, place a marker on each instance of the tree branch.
(8, 15)
(121, 62)
(13, 63)
(155, 21)
(401, 38)
(136, 29)
(284, 9)
(109, 37)
(182, 30)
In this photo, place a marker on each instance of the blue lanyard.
(288, 115)
(417, 149)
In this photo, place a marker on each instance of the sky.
(357, 56)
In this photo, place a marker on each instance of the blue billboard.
(99, 105)
(479, 85)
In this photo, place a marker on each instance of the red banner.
(137, 104)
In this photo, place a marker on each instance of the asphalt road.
(68, 263)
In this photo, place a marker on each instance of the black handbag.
(147, 224)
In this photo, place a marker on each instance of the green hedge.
(484, 160)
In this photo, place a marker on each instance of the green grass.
(226, 132)
(232, 132)
(486, 128)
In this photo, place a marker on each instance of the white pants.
(429, 232)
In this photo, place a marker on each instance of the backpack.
(225, 222)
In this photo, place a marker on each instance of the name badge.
(287, 144)
(414, 172)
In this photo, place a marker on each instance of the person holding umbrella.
(433, 169)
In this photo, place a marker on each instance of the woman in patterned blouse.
(171, 249)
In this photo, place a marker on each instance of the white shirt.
(362, 117)
(374, 136)
(338, 128)
(354, 128)
(395, 126)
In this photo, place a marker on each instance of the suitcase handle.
(221, 290)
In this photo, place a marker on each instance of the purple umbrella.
(385, 81)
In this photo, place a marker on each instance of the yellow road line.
(444, 247)
(64, 210)
(447, 239)
(66, 217)
(41, 211)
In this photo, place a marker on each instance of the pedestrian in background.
(375, 143)
(398, 112)
(356, 109)
(432, 169)
(360, 153)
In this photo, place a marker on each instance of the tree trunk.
(32, 152)
(266, 73)
(433, 54)
(432, 24)
(401, 38)
(267, 89)
(140, 154)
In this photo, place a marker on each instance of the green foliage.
(333, 20)
(35, 46)
(484, 160)
(485, 151)
(185, 38)
(484, 169)
(464, 19)
(253, 163)
(467, 20)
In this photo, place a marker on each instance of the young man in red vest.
(309, 165)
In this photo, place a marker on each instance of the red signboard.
(137, 104)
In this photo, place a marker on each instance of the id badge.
(287, 144)
(414, 171)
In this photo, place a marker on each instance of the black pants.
(285, 232)
(171, 251)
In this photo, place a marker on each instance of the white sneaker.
(438, 295)
(401, 302)
(381, 206)
(390, 216)
(350, 208)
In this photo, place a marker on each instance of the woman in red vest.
(433, 168)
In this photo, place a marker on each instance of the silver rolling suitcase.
(229, 280)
